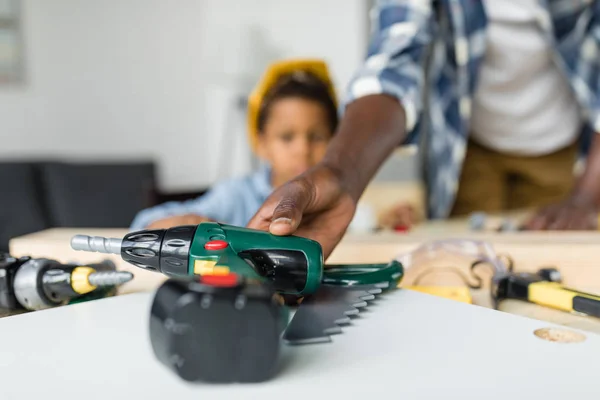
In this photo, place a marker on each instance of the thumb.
(293, 201)
(281, 213)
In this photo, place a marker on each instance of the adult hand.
(574, 213)
(315, 205)
(179, 220)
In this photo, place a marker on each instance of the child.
(292, 116)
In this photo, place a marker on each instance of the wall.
(129, 79)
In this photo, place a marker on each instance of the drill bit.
(109, 278)
(96, 244)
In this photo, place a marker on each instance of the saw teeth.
(343, 321)
(334, 330)
(340, 303)
(367, 297)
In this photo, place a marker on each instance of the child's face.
(295, 137)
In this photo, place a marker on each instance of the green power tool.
(292, 264)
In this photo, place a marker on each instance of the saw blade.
(323, 313)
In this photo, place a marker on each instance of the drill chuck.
(96, 244)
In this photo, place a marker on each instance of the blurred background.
(110, 106)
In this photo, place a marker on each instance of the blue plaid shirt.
(429, 52)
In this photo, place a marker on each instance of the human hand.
(574, 213)
(315, 205)
(401, 214)
(179, 220)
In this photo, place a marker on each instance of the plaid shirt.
(429, 52)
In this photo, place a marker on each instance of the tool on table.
(218, 328)
(228, 328)
(425, 260)
(221, 317)
(36, 284)
(293, 264)
(544, 288)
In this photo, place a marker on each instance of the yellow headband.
(270, 78)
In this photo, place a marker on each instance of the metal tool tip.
(96, 244)
(110, 278)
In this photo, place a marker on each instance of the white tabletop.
(408, 345)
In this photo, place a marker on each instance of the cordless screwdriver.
(36, 284)
(294, 265)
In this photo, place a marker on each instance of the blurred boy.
(292, 117)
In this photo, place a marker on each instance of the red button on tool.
(215, 245)
(228, 280)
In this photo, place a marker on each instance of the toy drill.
(36, 284)
(220, 317)
(294, 265)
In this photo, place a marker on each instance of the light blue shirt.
(233, 201)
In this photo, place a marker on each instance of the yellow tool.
(544, 288)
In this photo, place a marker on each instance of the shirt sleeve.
(590, 51)
(401, 33)
(216, 204)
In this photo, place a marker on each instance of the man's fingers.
(287, 215)
(262, 219)
(282, 212)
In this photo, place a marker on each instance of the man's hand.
(580, 210)
(320, 203)
(170, 222)
(314, 205)
(575, 213)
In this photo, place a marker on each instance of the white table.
(408, 345)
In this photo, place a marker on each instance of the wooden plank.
(576, 255)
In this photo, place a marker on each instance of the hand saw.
(346, 289)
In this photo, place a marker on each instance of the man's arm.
(588, 185)
(384, 98)
(381, 107)
(369, 132)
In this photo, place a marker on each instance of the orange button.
(229, 280)
(215, 245)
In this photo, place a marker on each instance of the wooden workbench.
(576, 255)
